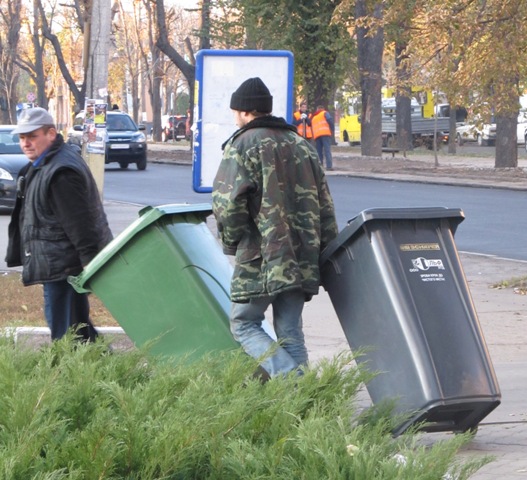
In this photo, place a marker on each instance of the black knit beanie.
(252, 95)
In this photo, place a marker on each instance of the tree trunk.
(403, 100)
(370, 49)
(162, 42)
(506, 142)
(155, 94)
(78, 94)
(204, 36)
(506, 125)
(10, 24)
(452, 131)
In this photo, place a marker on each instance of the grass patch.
(74, 411)
(518, 284)
(24, 306)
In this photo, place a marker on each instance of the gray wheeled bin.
(398, 288)
(166, 280)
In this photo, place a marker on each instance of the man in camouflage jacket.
(275, 214)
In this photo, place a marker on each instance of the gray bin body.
(397, 285)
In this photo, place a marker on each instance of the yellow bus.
(424, 97)
(349, 123)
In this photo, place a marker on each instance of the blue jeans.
(66, 309)
(323, 145)
(246, 326)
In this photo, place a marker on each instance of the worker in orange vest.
(323, 133)
(302, 120)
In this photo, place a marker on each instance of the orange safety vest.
(300, 126)
(320, 125)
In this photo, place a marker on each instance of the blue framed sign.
(218, 74)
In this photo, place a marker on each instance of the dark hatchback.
(126, 141)
(12, 159)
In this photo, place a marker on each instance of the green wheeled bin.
(166, 281)
(397, 285)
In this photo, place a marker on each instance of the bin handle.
(197, 267)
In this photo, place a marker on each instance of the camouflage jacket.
(273, 209)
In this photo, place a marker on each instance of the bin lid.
(147, 216)
(391, 214)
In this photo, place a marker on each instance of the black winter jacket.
(58, 224)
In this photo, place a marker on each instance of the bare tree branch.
(78, 94)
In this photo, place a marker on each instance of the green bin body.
(166, 280)
(396, 282)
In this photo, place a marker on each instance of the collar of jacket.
(268, 121)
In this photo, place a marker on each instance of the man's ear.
(53, 132)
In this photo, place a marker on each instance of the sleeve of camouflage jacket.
(328, 223)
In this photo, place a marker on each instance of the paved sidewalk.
(503, 317)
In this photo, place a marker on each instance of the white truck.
(483, 133)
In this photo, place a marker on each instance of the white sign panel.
(218, 74)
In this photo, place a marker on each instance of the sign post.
(94, 139)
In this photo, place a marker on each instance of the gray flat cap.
(32, 119)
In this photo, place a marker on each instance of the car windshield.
(120, 122)
(9, 143)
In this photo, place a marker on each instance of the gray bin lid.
(390, 214)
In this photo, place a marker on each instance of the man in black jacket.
(58, 224)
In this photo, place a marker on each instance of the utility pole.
(96, 51)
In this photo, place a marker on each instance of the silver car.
(12, 159)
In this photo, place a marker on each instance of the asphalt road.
(494, 224)
(494, 221)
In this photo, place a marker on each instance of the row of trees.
(44, 48)
(471, 50)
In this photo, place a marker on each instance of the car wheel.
(141, 164)
(123, 165)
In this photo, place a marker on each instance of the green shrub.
(78, 412)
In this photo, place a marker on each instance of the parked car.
(174, 127)
(476, 131)
(521, 131)
(12, 159)
(74, 135)
(125, 142)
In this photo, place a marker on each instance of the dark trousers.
(66, 309)
(323, 145)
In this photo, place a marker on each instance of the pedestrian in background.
(58, 224)
(275, 213)
(302, 121)
(324, 134)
